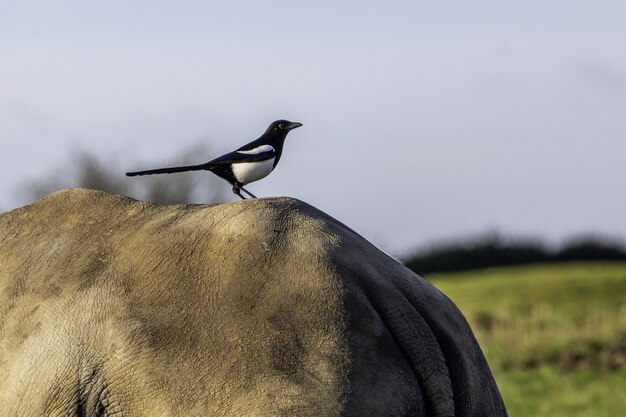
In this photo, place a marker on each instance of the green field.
(554, 335)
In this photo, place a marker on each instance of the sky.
(423, 121)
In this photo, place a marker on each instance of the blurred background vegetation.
(553, 333)
(550, 320)
(492, 249)
(86, 169)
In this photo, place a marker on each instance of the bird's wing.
(260, 153)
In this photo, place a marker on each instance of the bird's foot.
(236, 191)
(247, 192)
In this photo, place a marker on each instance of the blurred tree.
(87, 170)
(492, 250)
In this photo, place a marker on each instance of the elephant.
(111, 306)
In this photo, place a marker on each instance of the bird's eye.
(281, 126)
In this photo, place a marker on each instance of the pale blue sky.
(422, 120)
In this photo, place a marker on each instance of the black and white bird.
(247, 164)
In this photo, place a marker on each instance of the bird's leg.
(236, 191)
(247, 192)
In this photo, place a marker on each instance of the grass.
(554, 335)
(549, 391)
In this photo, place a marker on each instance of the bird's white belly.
(247, 172)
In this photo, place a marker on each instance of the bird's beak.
(293, 125)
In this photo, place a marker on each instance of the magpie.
(247, 164)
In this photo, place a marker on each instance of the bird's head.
(282, 127)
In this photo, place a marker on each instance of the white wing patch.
(258, 150)
(247, 172)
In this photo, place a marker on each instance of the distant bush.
(493, 250)
(590, 250)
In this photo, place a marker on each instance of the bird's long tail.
(168, 170)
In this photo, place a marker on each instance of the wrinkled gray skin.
(116, 307)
